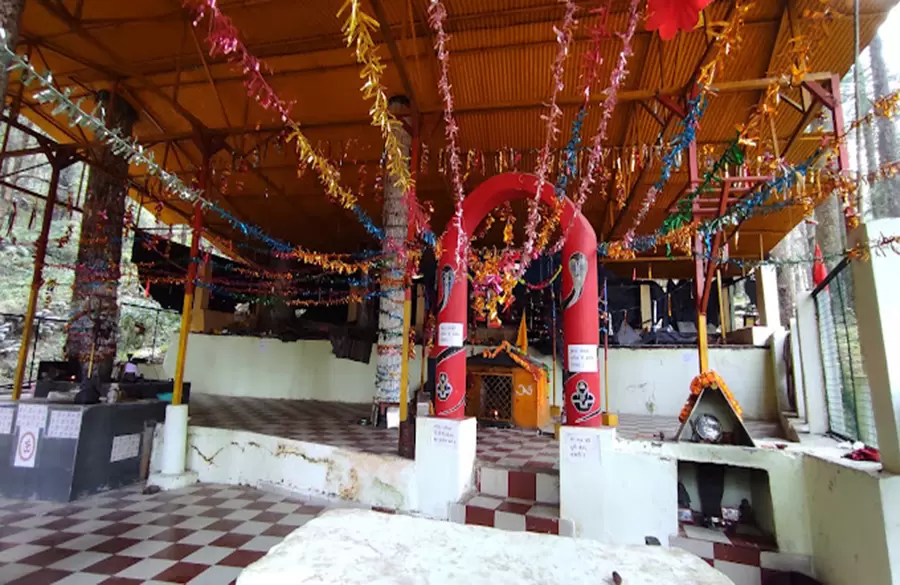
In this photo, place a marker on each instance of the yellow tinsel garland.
(358, 31)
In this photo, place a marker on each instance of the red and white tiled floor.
(337, 424)
(744, 560)
(204, 534)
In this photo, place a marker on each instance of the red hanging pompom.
(671, 16)
(819, 270)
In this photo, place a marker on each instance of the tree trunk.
(390, 318)
(887, 137)
(876, 189)
(10, 18)
(276, 317)
(789, 275)
(12, 165)
(94, 322)
(830, 232)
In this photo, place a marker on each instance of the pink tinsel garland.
(554, 113)
(618, 75)
(437, 14)
(223, 39)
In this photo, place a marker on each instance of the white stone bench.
(348, 547)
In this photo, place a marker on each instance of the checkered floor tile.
(204, 534)
(337, 424)
(514, 514)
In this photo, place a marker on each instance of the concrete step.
(513, 514)
(538, 486)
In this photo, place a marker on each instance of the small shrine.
(712, 414)
(505, 386)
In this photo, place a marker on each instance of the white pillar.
(811, 364)
(613, 496)
(875, 286)
(797, 370)
(445, 463)
(173, 474)
(767, 296)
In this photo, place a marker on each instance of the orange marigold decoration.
(517, 356)
(708, 380)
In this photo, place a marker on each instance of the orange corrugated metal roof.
(501, 53)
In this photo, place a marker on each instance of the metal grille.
(846, 386)
(496, 397)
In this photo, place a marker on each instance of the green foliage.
(144, 327)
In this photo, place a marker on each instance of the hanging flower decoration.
(538, 372)
(671, 16)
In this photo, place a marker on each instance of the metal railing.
(48, 340)
(847, 393)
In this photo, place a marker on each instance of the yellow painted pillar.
(702, 342)
(404, 360)
(37, 280)
(187, 307)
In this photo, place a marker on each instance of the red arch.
(581, 321)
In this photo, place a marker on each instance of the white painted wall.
(445, 463)
(630, 488)
(231, 365)
(615, 496)
(847, 523)
(647, 380)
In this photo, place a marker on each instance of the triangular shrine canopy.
(710, 396)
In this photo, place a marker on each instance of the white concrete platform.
(348, 547)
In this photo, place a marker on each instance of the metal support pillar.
(187, 307)
(58, 163)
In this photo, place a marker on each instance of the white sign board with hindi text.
(450, 335)
(583, 359)
(445, 434)
(581, 448)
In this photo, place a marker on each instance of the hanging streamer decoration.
(733, 155)
(128, 148)
(224, 40)
(727, 42)
(437, 15)
(763, 200)
(563, 41)
(358, 31)
(617, 77)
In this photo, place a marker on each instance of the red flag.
(819, 270)
(670, 16)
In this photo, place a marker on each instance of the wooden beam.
(209, 77)
(120, 67)
(399, 60)
(707, 55)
